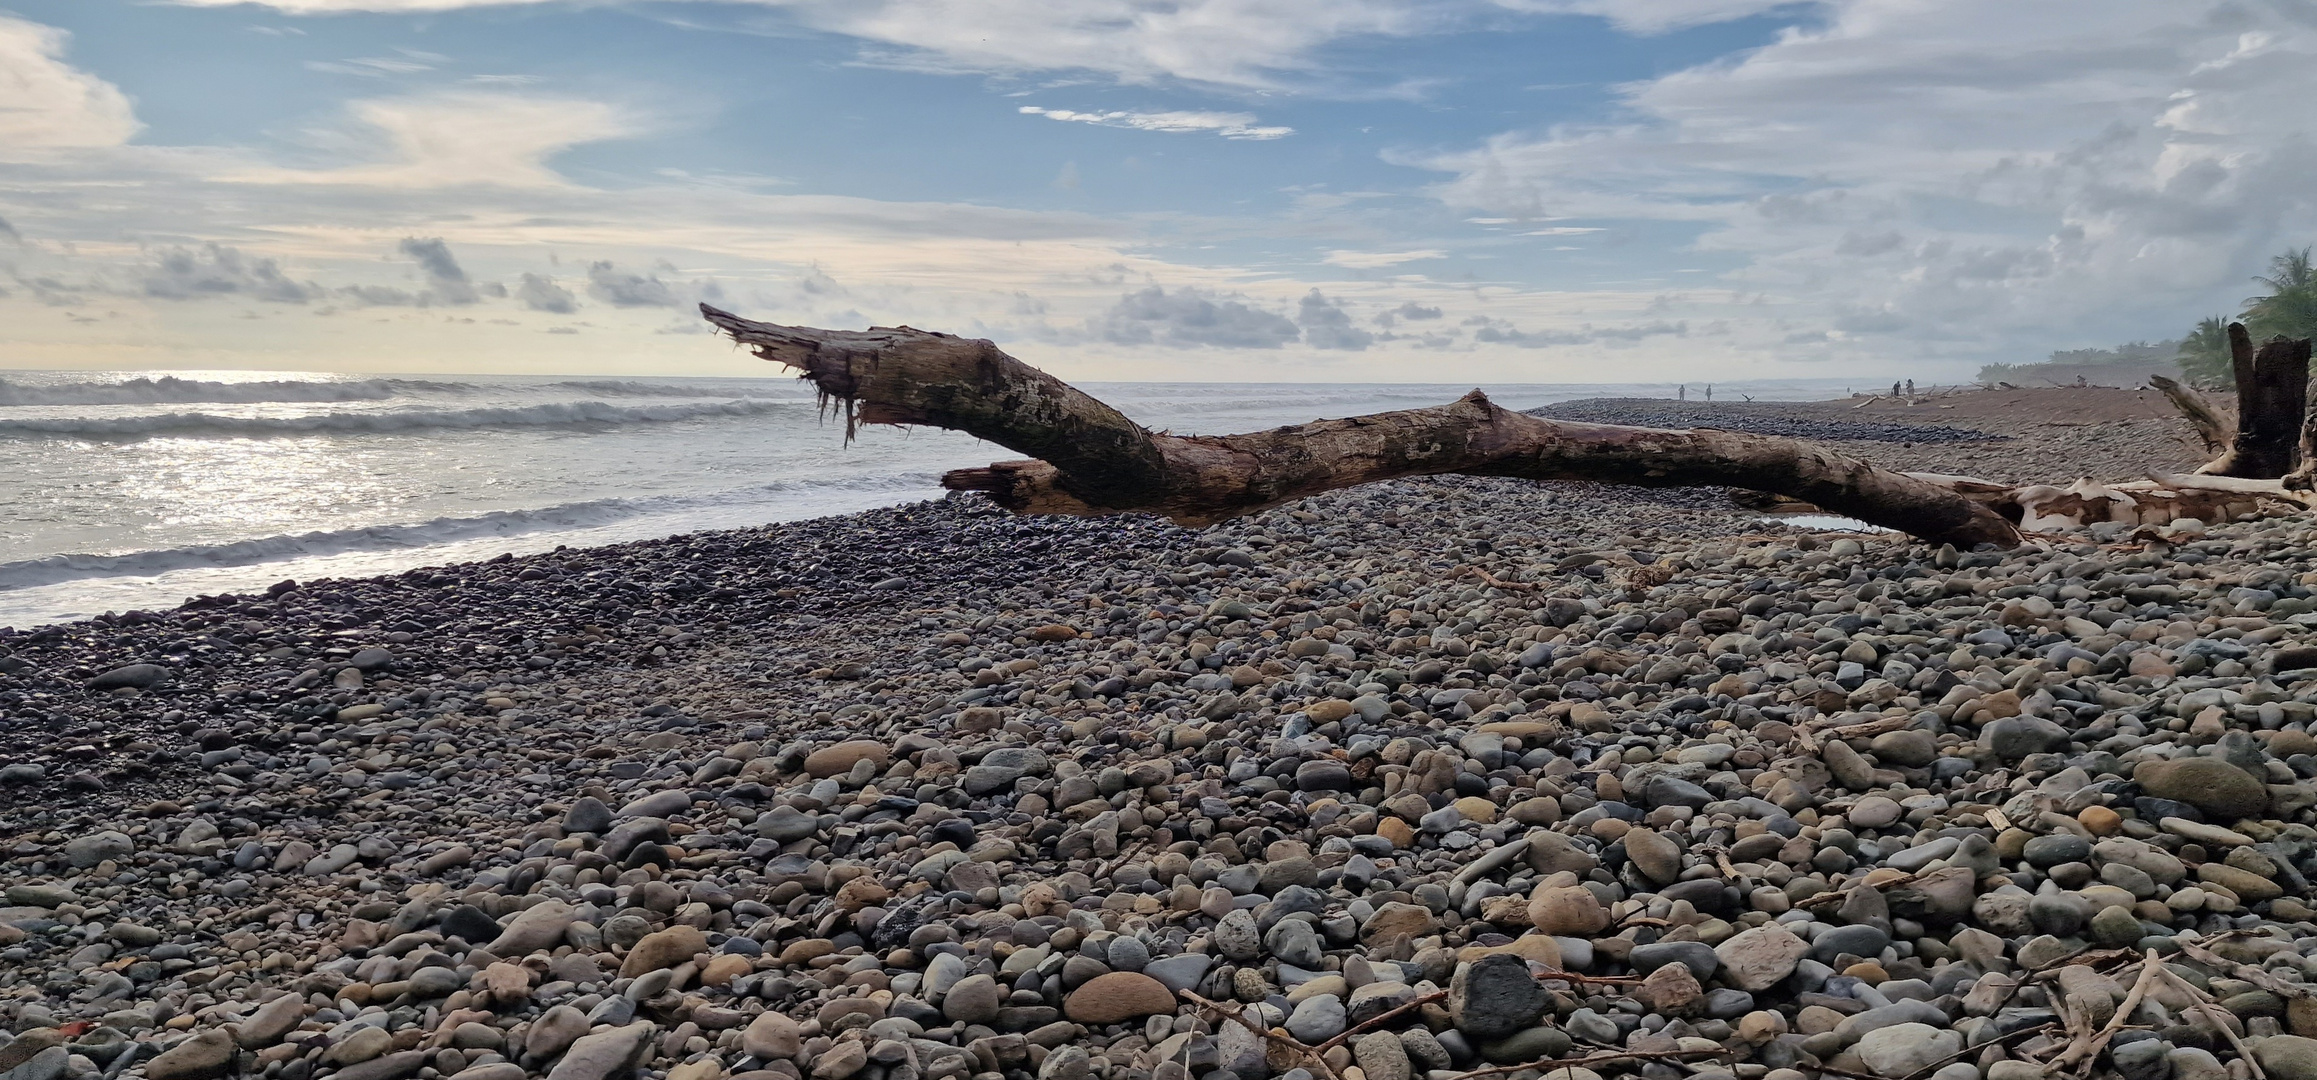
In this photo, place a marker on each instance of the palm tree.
(2204, 354)
(2290, 308)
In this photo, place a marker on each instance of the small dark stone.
(134, 676)
(1495, 996)
(470, 924)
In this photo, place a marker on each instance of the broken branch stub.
(2199, 413)
(1094, 460)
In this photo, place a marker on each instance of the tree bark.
(2199, 412)
(2272, 406)
(1093, 460)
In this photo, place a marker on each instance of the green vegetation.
(2131, 352)
(2288, 309)
(2204, 353)
(2066, 365)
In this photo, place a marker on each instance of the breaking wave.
(724, 387)
(56, 569)
(559, 414)
(170, 390)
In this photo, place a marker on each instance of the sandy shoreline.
(935, 792)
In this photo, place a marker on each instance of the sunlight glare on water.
(139, 489)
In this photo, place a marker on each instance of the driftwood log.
(1093, 460)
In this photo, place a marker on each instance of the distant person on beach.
(1709, 391)
(1910, 388)
(1894, 389)
(1681, 393)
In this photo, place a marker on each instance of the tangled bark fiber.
(1093, 460)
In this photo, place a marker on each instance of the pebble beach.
(1427, 779)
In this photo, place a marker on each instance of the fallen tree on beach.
(1089, 459)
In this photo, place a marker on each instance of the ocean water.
(128, 490)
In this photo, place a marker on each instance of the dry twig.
(1590, 1060)
(1862, 728)
(2214, 1015)
(1557, 975)
(1968, 1051)
(2087, 1047)
(2246, 972)
(1835, 897)
(1232, 1012)
(1495, 582)
(1380, 1019)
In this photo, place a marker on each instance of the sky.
(1177, 190)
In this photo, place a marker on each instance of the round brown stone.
(836, 760)
(1118, 997)
(664, 949)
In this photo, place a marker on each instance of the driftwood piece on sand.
(1093, 460)
(2215, 432)
(2159, 500)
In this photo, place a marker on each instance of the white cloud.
(1193, 318)
(378, 67)
(1499, 332)
(476, 171)
(1244, 43)
(609, 284)
(1253, 44)
(47, 105)
(1230, 125)
(498, 139)
(540, 293)
(1653, 16)
(338, 7)
(1238, 43)
(446, 280)
(1376, 260)
(1326, 325)
(1982, 176)
(218, 271)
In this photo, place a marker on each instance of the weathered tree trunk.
(1096, 461)
(2272, 406)
(2199, 412)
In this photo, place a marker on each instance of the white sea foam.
(553, 414)
(635, 388)
(170, 390)
(596, 513)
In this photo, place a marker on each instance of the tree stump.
(2272, 407)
